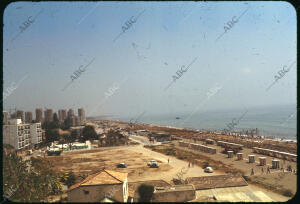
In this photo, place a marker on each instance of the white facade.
(17, 135)
(36, 133)
(15, 121)
(125, 190)
(21, 135)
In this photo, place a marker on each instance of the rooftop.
(218, 181)
(102, 177)
(174, 188)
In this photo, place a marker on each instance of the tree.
(66, 124)
(29, 181)
(51, 135)
(115, 137)
(74, 134)
(89, 133)
(69, 139)
(50, 125)
(69, 178)
(145, 192)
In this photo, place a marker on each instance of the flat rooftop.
(218, 181)
(174, 188)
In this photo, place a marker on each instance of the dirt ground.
(244, 164)
(136, 158)
(277, 180)
(94, 160)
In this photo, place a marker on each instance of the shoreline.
(275, 139)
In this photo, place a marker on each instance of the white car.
(151, 162)
(208, 170)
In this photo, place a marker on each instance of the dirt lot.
(244, 165)
(94, 160)
(283, 183)
(136, 158)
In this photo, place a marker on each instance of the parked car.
(154, 165)
(151, 162)
(29, 152)
(53, 151)
(208, 170)
(121, 165)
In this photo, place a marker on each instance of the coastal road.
(140, 139)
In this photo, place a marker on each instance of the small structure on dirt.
(262, 161)
(159, 136)
(275, 164)
(239, 156)
(209, 141)
(230, 154)
(251, 158)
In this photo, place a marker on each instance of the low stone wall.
(174, 196)
(219, 181)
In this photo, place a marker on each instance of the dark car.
(154, 165)
(121, 165)
(52, 152)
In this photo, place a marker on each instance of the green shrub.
(145, 192)
(177, 181)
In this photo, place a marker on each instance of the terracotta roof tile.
(102, 177)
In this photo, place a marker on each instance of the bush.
(145, 193)
(69, 180)
(177, 181)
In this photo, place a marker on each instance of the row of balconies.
(24, 131)
(22, 144)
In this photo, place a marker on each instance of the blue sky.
(168, 35)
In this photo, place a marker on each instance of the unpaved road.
(176, 164)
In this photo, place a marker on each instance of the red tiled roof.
(102, 177)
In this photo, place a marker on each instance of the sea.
(278, 121)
